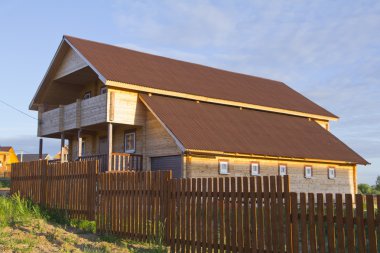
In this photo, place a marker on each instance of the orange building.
(7, 157)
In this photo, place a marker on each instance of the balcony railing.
(119, 161)
(79, 114)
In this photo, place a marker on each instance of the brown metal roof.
(212, 127)
(5, 148)
(132, 67)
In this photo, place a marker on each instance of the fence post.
(165, 191)
(44, 165)
(92, 168)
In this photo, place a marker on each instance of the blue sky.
(327, 50)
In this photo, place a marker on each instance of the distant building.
(7, 157)
(65, 154)
(32, 157)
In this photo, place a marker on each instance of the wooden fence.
(62, 186)
(244, 214)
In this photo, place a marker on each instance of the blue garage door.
(172, 163)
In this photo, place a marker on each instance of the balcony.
(119, 161)
(76, 115)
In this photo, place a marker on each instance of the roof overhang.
(268, 157)
(49, 75)
(140, 88)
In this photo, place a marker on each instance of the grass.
(5, 183)
(24, 227)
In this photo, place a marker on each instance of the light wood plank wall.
(343, 183)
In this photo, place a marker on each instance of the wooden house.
(32, 157)
(134, 110)
(7, 157)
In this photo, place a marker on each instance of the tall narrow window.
(83, 147)
(308, 171)
(223, 167)
(130, 142)
(331, 173)
(282, 170)
(255, 169)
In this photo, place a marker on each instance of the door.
(103, 147)
(173, 163)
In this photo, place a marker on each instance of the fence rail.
(243, 214)
(70, 187)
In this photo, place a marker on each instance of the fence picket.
(226, 214)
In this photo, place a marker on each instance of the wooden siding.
(70, 63)
(125, 108)
(93, 110)
(82, 113)
(158, 141)
(49, 122)
(343, 183)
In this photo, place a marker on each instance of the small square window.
(282, 170)
(103, 90)
(130, 142)
(87, 95)
(255, 169)
(223, 167)
(308, 171)
(332, 173)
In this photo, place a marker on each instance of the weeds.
(85, 225)
(17, 211)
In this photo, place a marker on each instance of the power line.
(14, 108)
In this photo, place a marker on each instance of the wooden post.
(41, 110)
(79, 143)
(44, 165)
(62, 145)
(40, 148)
(109, 146)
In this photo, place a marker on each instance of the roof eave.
(141, 88)
(214, 152)
(33, 105)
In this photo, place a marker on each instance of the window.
(130, 142)
(103, 90)
(255, 169)
(282, 170)
(87, 95)
(331, 173)
(223, 167)
(308, 171)
(1, 164)
(83, 147)
(65, 158)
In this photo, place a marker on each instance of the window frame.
(130, 151)
(223, 161)
(103, 90)
(258, 168)
(328, 173)
(87, 95)
(279, 169)
(311, 171)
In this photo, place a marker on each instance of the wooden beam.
(109, 146)
(40, 148)
(62, 145)
(79, 142)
